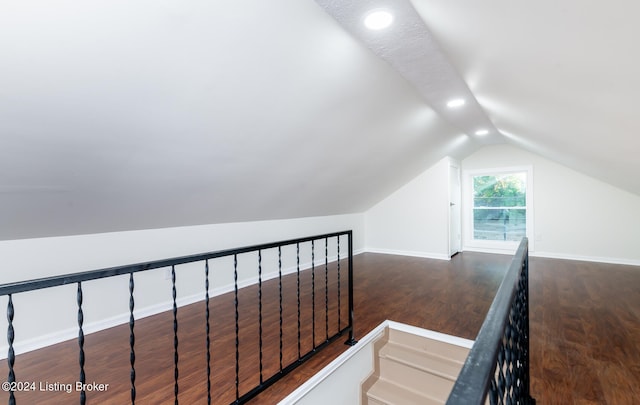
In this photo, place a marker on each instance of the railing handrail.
(265, 380)
(71, 278)
(474, 380)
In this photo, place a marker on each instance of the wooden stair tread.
(422, 360)
(412, 369)
(387, 392)
(420, 343)
(424, 382)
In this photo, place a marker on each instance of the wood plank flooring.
(585, 326)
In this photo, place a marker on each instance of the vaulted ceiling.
(121, 115)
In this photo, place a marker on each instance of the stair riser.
(425, 362)
(373, 401)
(416, 380)
(388, 393)
(442, 349)
(412, 369)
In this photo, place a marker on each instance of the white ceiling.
(557, 78)
(127, 115)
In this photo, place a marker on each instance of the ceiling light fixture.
(458, 102)
(482, 132)
(378, 19)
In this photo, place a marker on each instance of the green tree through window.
(499, 206)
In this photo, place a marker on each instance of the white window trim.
(493, 246)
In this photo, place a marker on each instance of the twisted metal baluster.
(351, 341)
(260, 310)
(493, 393)
(313, 296)
(206, 285)
(175, 334)
(326, 288)
(298, 291)
(339, 306)
(526, 360)
(11, 356)
(83, 394)
(132, 340)
(237, 314)
(280, 293)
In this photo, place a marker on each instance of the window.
(499, 208)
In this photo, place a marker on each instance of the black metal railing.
(497, 367)
(242, 395)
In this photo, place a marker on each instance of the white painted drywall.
(414, 220)
(339, 383)
(575, 216)
(46, 316)
(199, 112)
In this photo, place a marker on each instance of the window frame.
(495, 246)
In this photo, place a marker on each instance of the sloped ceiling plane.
(127, 115)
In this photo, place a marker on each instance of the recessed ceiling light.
(457, 102)
(482, 132)
(378, 19)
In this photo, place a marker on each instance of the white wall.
(339, 382)
(46, 316)
(575, 216)
(414, 220)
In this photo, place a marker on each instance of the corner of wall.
(413, 220)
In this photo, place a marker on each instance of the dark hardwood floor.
(585, 327)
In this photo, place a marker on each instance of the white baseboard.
(597, 259)
(563, 256)
(424, 255)
(123, 318)
(493, 251)
(431, 334)
(49, 339)
(325, 372)
(366, 343)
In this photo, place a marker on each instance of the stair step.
(421, 360)
(412, 369)
(416, 380)
(384, 392)
(420, 343)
